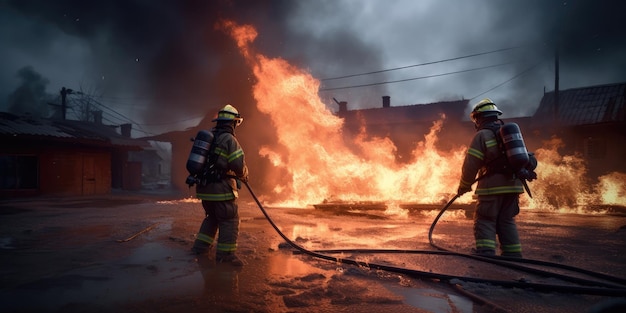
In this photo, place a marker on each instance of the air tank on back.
(199, 152)
(514, 145)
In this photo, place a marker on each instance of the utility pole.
(64, 93)
(557, 42)
(556, 84)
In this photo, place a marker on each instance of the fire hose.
(591, 288)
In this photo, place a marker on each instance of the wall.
(63, 170)
(75, 172)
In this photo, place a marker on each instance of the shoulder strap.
(499, 164)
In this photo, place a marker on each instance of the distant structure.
(66, 158)
(590, 122)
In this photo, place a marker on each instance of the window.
(19, 172)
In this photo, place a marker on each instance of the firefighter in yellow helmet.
(218, 189)
(497, 190)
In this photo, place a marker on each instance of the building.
(65, 158)
(407, 125)
(591, 121)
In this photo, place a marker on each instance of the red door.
(89, 175)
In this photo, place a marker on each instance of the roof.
(12, 125)
(106, 131)
(585, 106)
(453, 110)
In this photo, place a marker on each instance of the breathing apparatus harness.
(209, 171)
(514, 160)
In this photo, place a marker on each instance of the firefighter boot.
(229, 258)
(485, 252)
(200, 249)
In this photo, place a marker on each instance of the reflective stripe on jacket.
(231, 160)
(483, 150)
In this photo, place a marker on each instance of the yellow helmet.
(229, 113)
(484, 108)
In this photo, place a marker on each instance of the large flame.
(562, 184)
(323, 164)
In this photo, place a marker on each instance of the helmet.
(229, 113)
(484, 108)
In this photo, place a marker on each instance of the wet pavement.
(129, 253)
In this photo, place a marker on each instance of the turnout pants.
(495, 216)
(222, 216)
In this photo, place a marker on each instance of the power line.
(176, 122)
(152, 124)
(416, 78)
(508, 80)
(124, 118)
(422, 64)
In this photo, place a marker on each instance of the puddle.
(151, 270)
(432, 300)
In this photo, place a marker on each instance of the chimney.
(125, 129)
(386, 101)
(343, 106)
(97, 117)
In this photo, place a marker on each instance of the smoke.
(30, 98)
(165, 61)
(164, 64)
(142, 56)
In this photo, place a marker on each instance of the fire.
(612, 188)
(562, 186)
(322, 163)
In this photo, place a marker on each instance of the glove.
(191, 180)
(462, 190)
(526, 174)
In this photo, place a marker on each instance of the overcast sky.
(163, 65)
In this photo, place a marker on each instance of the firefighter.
(498, 188)
(218, 189)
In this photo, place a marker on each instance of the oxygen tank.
(514, 145)
(199, 152)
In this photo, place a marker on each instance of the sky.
(163, 66)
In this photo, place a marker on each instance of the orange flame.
(322, 164)
(562, 184)
(612, 188)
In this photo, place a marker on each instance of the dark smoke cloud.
(30, 98)
(168, 53)
(163, 61)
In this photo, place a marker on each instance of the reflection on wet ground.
(433, 300)
(87, 268)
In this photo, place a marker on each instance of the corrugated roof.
(13, 125)
(585, 106)
(105, 131)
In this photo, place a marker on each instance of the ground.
(130, 253)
